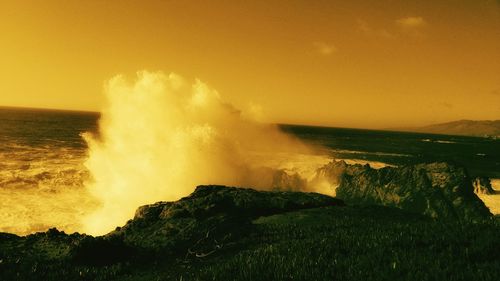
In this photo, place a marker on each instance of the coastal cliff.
(229, 233)
(437, 190)
(214, 209)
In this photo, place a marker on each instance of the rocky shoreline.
(218, 224)
(438, 190)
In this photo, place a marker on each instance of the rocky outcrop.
(482, 185)
(209, 211)
(331, 172)
(216, 226)
(282, 181)
(438, 190)
(197, 226)
(265, 178)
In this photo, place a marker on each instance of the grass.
(351, 243)
(331, 243)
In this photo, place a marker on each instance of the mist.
(160, 136)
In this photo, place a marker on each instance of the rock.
(215, 211)
(438, 190)
(215, 226)
(332, 174)
(282, 181)
(482, 185)
(265, 178)
(208, 200)
(90, 250)
(197, 225)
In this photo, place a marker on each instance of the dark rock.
(217, 211)
(331, 172)
(482, 185)
(438, 190)
(286, 182)
(265, 178)
(100, 251)
(216, 228)
(198, 225)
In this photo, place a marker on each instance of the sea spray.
(161, 136)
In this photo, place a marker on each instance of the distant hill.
(485, 128)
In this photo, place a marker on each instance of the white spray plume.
(160, 137)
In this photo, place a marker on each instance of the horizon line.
(392, 128)
(48, 109)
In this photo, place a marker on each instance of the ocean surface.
(45, 149)
(41, 169)
(42, 152)
(481, 156)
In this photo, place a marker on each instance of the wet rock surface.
(197, 225)
(227, 233)
(438, 190)
(482, 185)
(218, 212)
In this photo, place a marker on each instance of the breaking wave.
(160, 136)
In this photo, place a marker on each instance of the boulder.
(283, 181)
(210, 211)
(198, 225)
(438, 190)
(331, 172)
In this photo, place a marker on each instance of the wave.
(438, 141)
(373, 164)
(343, 151)
(48, 167)
(42, 187)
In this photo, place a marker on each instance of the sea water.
(481, 156)
(42, 155)
(41, 169)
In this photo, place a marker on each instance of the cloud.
(324, 48)
(412, 27)
(409, 27)
(366, 29)
(496, 92)
(411, 22)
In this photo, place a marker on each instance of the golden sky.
(371, 64)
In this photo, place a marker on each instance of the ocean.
(481, 156)
(41, 169)
(43, 148)
(42, 153)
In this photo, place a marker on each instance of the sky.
(364, 64)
